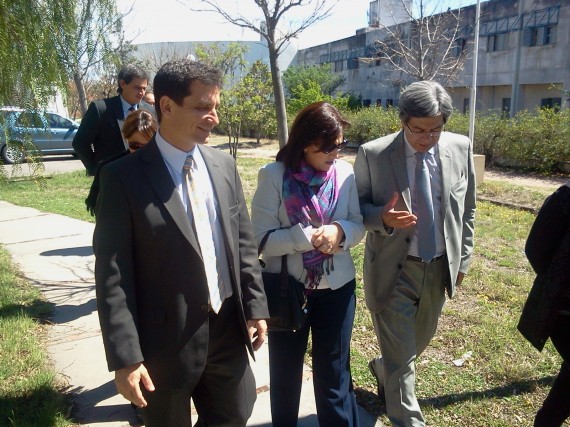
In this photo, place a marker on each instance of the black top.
(546, 236)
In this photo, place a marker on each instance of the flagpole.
(473, 103)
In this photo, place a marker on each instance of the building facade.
(523, 57)
(154, 55)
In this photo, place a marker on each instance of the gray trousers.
(404, 328)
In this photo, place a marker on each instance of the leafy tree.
(30, 68)
(247, 106)
(230, 60)
(230, 114)
(232, 63)
(258, 102)
(429, 46)
(309, 92)
(297, 75)
(267, 28)
(89, 42)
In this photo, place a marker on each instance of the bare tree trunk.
(80, 93)
(280, 109)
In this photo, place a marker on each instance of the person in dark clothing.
(138, 129)
(548, 251)
(99, 134)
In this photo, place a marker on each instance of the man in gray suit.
(417, 195)
(179, 301)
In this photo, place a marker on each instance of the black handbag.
(286, 297)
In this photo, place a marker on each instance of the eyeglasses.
(134, 145)
(430, 134)
(332, 148)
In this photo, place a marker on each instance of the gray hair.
(424, 99)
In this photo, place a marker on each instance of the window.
(554, 103)
(30, 120)
(465, 105)
(389, 102)
(506, 108)
(497, 42)
(549, 36)
(352, 64)
(533, 36)
(539, 36)
(338, 66)
(460, 46)
(56, 121)
(378, 102)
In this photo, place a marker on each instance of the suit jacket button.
(400, 266)
(408, 240)
(204, 307)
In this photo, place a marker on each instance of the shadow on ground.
(377, 407)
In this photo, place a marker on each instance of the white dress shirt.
(174, 159)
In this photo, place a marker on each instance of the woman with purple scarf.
(309, 197)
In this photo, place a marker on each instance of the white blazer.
(268, 212)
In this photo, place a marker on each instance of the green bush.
(537, 140)
(371, 123)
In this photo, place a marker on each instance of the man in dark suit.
(174, 325)
(99, 135)
(417, 197)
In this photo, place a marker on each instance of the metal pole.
(473, 100)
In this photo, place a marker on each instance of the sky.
(173, 20)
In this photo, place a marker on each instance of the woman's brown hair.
(141, 121)
(318, 123)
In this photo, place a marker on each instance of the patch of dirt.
(526, 179)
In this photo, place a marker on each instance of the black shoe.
(378, 378)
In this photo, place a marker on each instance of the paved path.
(54, 252)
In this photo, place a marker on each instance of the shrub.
(537, 140)
(371, 123)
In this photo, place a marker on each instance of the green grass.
(504, 382)
(506, 192)
(61, 193)
(29, 392)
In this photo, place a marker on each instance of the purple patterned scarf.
(310, 199)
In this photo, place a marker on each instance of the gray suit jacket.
(152, 293)
(380, 171)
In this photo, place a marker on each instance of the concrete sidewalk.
(54, 252)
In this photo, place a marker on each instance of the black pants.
(330, 321)
(556, 408)
(225, 393)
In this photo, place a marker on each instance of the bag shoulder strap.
(283, 258)
(264, 241)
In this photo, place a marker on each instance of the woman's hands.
(327, 238)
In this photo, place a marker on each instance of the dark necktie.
(424, 210)
(132, 108)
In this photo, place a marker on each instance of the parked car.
(50, 133)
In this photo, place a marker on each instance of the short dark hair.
(175, 78)
(319, 123)
(129, 72)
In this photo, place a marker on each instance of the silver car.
(23, 131)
